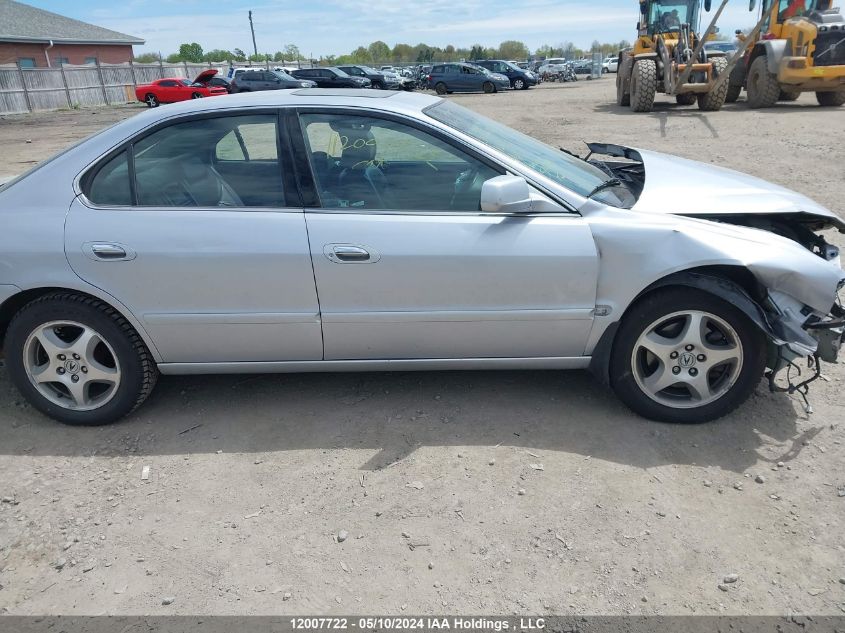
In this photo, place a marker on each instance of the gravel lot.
(502, 492)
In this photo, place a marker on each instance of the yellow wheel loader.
(669, 57)
(800, 48)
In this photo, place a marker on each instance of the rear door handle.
(107, 251)
(350, 254)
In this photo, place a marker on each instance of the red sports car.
(177, 89)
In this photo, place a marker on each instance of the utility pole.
(252, 28)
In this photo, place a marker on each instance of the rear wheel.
(623, 98)
(196, 95)
(789, 95)
(686, 99)
(77, 360)
(763, 89)
(733, 94)
(643, 85)
(831, 99)
(684, 355)
(151, 100)
(488, 87)
(440, 88)
(714, 100)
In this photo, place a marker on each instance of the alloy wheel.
(687, 359)
(71, 365)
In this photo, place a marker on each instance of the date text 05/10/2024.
(410, 623)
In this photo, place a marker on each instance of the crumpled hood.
(686, 187)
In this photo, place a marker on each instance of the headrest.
(359, 148)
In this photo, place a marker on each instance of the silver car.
(325, 230)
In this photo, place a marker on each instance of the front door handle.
(108, 251)
(350, 254)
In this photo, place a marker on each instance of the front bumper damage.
(800, 335)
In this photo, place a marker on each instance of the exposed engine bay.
(801, 228)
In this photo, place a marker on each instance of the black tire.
(733, 94)
(379, 85)
(789, 95)
(714, 100)
(488, 87)
(643, 85)
(623, 97)
(831, 99)
(686, 99)
(762, 86)
(196, 95)
(151, 100)
(138, 370)
(440, 88)
(667, 301)
(519, 84)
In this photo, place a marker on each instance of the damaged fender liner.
(780, 331)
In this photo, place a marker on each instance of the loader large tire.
(789, 95)
(686, 99)
(623, 76)
(733, 94)
(643, 85)
(763, 88)
(714, 100)
(831, 99)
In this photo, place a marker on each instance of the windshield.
(566, 170)
(283, 75)
(338, 72)
(369, 70)
(669, 15)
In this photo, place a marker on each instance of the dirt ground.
(471, 493)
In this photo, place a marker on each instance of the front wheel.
(683, 355)
(77, 360)
(643, 85)
(519, 84)
(762, 87)
(714, 100)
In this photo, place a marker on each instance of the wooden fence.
(31, 89)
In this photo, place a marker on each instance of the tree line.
(380, 52)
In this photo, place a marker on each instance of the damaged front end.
(802, 336)
(796, 301)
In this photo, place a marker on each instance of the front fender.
(638, 250)
(775, 51)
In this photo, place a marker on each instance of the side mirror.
(707, 5)
(752, 4)
(505, 194)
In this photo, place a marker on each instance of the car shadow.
(396, 413)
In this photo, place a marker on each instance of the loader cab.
(667, 16)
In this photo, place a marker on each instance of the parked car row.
(480, 76)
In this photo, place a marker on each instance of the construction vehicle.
(800, 48)
(669, 57)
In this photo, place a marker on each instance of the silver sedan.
(324, 230)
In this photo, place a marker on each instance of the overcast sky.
(321, 27)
